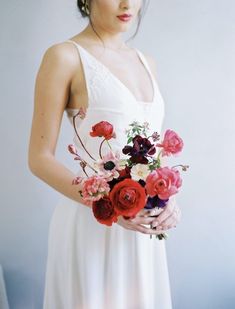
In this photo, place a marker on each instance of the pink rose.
(171, 144)
(163, 182)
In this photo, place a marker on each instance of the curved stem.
(74, 125)
(90, 166)
(83, 164)
(83, 168)
(184, 167)
(100, 148)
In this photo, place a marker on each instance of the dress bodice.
(110, 100)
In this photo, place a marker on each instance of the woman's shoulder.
(62, 57)
(61, 51)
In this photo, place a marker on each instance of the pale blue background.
(193, 43)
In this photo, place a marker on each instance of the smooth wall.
(194, 47)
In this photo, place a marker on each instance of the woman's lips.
(124, 17)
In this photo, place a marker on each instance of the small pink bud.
(72, 149)
(82, 112)
(155, 136)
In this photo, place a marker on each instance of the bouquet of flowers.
(122, 187)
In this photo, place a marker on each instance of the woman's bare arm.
(50, 99)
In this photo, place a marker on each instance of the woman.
(90, 265)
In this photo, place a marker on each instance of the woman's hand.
(135, 224)
(169, 217)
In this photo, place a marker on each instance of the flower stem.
(109, 144)
(83, 168)
(184, 167)
(158, 156)
(100, 149)
(84, 164)
(162, 236)
(75, 129)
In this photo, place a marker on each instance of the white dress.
(91, 265)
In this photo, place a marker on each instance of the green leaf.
(129, 140)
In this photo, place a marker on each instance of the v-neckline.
(118, 80)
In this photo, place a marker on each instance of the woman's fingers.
(138, 227)
(166, 213)
(143, 213)
(167, 218)
(155, 211)
(146, 230)
(167, 224)
(173, 220)
(137, 224)
(170, 221)
(142, 220)
(162, 217)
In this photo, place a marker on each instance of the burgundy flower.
(141, 148)
(103, 211)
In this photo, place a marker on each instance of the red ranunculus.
(128, 197)
(103, 211)
(103, 129)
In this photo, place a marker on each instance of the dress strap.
(145, 62)
(85, 67)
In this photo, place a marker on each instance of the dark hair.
(140, 15)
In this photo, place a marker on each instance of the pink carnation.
(163, 182)
(171, 144)
(94, 188)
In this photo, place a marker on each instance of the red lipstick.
(125, 17)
